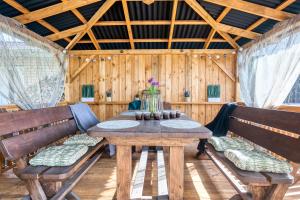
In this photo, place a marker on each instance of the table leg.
(124, 170)
(176, 172)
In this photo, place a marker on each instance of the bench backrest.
(277, 131)
(39, 128)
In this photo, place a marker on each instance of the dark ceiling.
(159, 10)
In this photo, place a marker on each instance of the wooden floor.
(202, 181)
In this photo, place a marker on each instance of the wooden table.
(150, 133)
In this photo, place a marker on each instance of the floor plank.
(202, 180)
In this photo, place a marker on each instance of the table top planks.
(151, 129)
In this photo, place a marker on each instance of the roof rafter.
(52, 10)
(151, 22)
(213, 31)
(24, 10)
(262, 20)
(173, 19)
(100, 12)
(254, 9)
(151, 40)
(206, 16)
(128, 24)
(83, 20)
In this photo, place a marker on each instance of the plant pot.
(108, 99)
(187, 99)
(87, 99)
(214, 99)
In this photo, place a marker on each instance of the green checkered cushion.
(83, 139)
(224, 143)
(257, 161)
(64, 155)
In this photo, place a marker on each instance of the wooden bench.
(278, 132)
(46, 126)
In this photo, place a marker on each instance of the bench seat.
(249, 177)
(58, 173)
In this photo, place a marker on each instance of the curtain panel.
(269, 66)
(32, 71)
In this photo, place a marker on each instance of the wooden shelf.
(173, 103)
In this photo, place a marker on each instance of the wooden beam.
(151, 40)
(213, 31)
(127, 20)
(173, 18)
(151, 22)
(24, 10)
(254, 9)
(52, 10)
(100, 12)
(82, 67)
(206, 16)
(152, 51)
(237, 31)
(66, 33)
(223, 68)
(262, 20)
(83, 20)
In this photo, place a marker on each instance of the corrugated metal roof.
(84, 47)
(191, 31)
(153, 31)
(151, 45)
(159, 10)
(219, 45)
(62, 42)
(187, 45)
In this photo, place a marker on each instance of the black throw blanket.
(219, 125)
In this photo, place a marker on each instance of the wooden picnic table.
(150, 133)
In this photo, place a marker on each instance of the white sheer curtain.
(269, 67)
(32, 71)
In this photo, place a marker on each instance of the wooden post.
(176, 173)
(124, 171)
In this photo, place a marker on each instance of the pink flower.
(151, 80)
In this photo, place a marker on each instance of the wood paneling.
(127, 74)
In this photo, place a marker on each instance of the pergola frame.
(217, 27)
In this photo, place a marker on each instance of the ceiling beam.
(52, 10)
(173, 19)
(128, 24)
(262, 20)
(24, 10)
(66, 33)
(206, 16)
(151, 40)
(100, 12)
(213, 31)
(237, 31)
(254, 9)
(151, 22)
(83, 20)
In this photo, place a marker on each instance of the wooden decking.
(202, 181)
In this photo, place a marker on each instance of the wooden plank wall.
(126, 74)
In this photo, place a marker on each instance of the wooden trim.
(100, 12)
(82, 67)
(262, 20)
(152, 51)
(128, 24)
(206, 16)
(174, 10)
(151, 40)
(254, 9)
(66, 33)
(213, 31)
(52, 10)
(93, 39)
(172, 103)
(237, 31)
(223, 68)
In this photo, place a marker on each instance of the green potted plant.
(213, 93)
(87, 93)
(108, 95)
(187, 95)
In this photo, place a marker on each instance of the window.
(294, 95)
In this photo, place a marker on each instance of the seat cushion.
(83, 139)
(224, 143)
(64, 155)
(257, 161)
